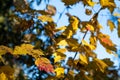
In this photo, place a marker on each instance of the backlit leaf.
(62, 43)
(107, 3)
(59, 72)
(4, 49)
(90, 27)
(92, 47)
(111, 25)
(3, 76)
(44, 64)
(83, 58)
(106, 42)
(45, 18)
(101, 64)
(90, 3)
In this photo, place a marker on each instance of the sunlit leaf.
(60, 28)
(101, 64)
(107, 3)
(5, 49)
(90, 3)
(45, 18)
(58, 57)
(111, 25)
(44, 64)
(90, 27)
(116, 14)
(62, 43)
(27, 49)
(3, 76)
(92, 47)
(59, 72)
(83, 58)
(106, 42)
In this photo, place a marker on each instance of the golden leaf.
(101, 64)
(3, 76)
(58, 58)
(4, 50)
(60, 28)
(83, 58)
(62, 43)
(111, 25)
(27, 49)
(107, 3)
(51, 9)
(90, 3)
(106, 42)
(59, 72)
(45, 18)
(90, 27)
(92, 47)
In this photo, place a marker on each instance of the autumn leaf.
(45, 18)
(59, 72)
(3, 76)
(90, 27)
(92, 47)
(62, 43)
(5, 49)
(101, 64)
(70, 2)
(106, 42)
(89, 2)
(107, 3)
(8, 72)
(118, 29)
(111, 25)
(44, 64)
(25, 49)
(83, 58)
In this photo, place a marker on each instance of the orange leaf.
(43, 64)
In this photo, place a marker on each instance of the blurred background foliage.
(19, 23)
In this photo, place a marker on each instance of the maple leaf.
(59, 71)
(111, 25)
(43, 64)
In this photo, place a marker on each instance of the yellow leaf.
(83, 58)
(59, 72)
(72, 42)
(45, 18)
(101, 64)
(60, 28)
(107, 3)
(74, 21)
(3, 76)
(90, 27)
(27, 49)
(62, 43)
(111, 25)
(4, 50)
(92, 47)
(90, 3)
(62, 50)
(57, 58)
